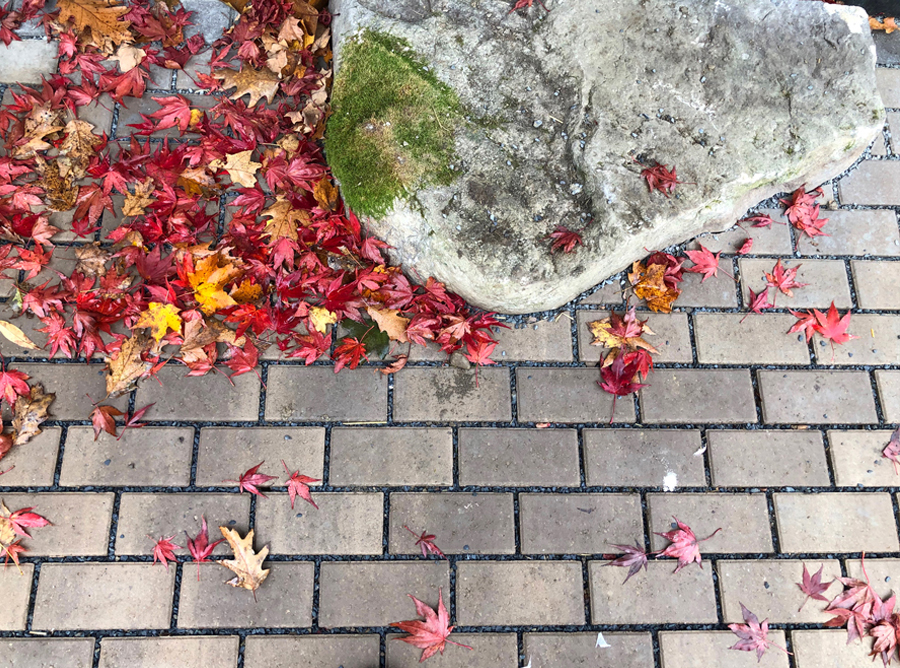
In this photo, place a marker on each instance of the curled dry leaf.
(247, 564)
(91, 260)
(127, 367)
(30, 412)
(390, 322)
(17, 336)
(103, 418)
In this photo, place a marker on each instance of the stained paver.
(452, 395)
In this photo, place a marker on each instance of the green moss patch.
(392, 126)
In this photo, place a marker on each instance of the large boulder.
(464, 134)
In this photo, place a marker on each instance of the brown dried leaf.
(129, 57)
(390, 322)
(60, 193)
(97, 21)
(91, 260)
(126, 368)
(255, 83)
(326, 195)
(240, 167)
(135, 204)
(247, 564)
(31, 411)
(77, 149)
(284, 220)
(17, 336)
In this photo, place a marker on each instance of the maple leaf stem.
(8, 470)
(613, 412)
(453, 642)
(710, 535)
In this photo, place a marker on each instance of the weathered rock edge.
(747, 100)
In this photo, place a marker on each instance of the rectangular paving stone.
(578, 523)
(857, 459)
(312, 651)
(284, 600)
(671, 336)
(875, 282)
(104, 596)
(345, 523)
(769, 588)
(723, 339)
(712, 293)
(47, 652)
(744, 519)
(543, 341)
(566, 395)
(518, 457)
(828, 649)
(888, 383)
(687, 599)
(363, 593)
(873, 182)
(826, 282)
(490, 593)
(883, 574)
(162, 515)
(15, 592)
(34, 465)
(888, 82)
(774, 240)
(878, 342)
(396, 456)
(643, 458)
(26, 61)
(822, 522)
(464, 522)
(698, 395)
(816, 397)
(77, 387)
(149, 456)
(609, 294)
(579, 650)
(688, 649)
(489, 650)
(763, 458)
(210, 397)
(226, 452)
(893, 124)
(80, 522)
(858, 232)
(452, 395)
(218, 651)
(317, 393)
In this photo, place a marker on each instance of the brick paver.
(452, 395)
(488, 649)
(219, 651)
(366, 456)
(80, 522)
(828, 649)
(518, 457)
(559, 395)
(686, 649)
(816, 397)
(767, 457)
(316, 393)
(699, 395)
(646, 458)
(570, 650)
(35, 466)
(857, 459)
(671, 336)
(826, 282)
(874, 283)
(723, 339)
(15, 590)
(357, 651)
(51, 652)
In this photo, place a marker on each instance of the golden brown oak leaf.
(889, 24)
(17, 336)
(247, 564)
(142, 197)
(390, 322)
(160, 318)
(284, 220)
(208, 280)
(255, 83)
(240, 167)
(127, 367)
(31, 410)
(97, 21)
(77, 149)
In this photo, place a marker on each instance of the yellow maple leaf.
(390, 322)
(208, 281)
(77, 149)
(240, 167)
(160, 318)
(246, 292)
(649, 285)
(321, 317)
(255, 83)
(97, 21)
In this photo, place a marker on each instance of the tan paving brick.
(149, 456)
(47, 652)
(687, 598)
(775, 240)
(104, 596)
(671, 337)
(744, 519)
(218, 651)
(688, 649)
(518, 457)
(882, 573)
(878, 147)
(27, 61)
(888, 82)
(610, 294)
(857, 232)
(769, 588)
(888, 383)
(857, 459)
(489, 650)
(579, 650)
(723, 339)
(226, 452)
(875, 283)
(820, 522)
(893, 120)
(816, 397)
(644, 458)
(878, 342)
(415, 456)
(464, 522)
(712, 293)
(698, 395)
(209, 397)
(145, 517)
(874, 182)
(77, 387)
(490, 593)
(566, 395)
(317, 393)
(283, 651)
(80, 522)
(828, 649)
(578, 523)
(98, 113)
(767, 458)
(34, 465)
(15, 592)
(544, 341)
(448, 394)
(371, 593)
(284, 600)
(826, 282)
(343, 524)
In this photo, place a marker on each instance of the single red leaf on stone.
(163, 551)
(685, 545)
(250, 479)
(429, 634)
(479, 352)
(704, 263)
(806, 323)
(856, 593)
(658, 177)
(297, 486)
(892, 450)
(784, 279)
(426, 543)
(22, 519)
(813, 586)
(619, 380)
(103, 419)
(633, 559)
(199, 546)
(754, 636)
(758, 302)
(12, 385)
(396, 365)
(564, 239)
(832, 327)
(746, 247)
(760, 220)
(525, 4)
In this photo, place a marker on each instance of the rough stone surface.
(47, 652)
(218, 651)
(579, 650)
(560, 103)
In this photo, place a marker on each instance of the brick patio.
(742, 427)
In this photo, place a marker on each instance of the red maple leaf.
(783, 279)
(429, 634)
(199, 546)
(704, 263)
(426, 543)
(685, 546)
(832, 327)
(134, 421)
(349, 353)
(633, 559)
(163, 551)
(813, 586)
(806, 323)
(885, 630)
(13, 385)
(658, 177)
(479, 352)
(754, 636)
(857, 620)
(760, 220)
(22, 519)
(564, 239)
(746, 247)
(250, 479)
(12, 551)
(103, 419)
(524, 4)
(619, 380)
(297, 486)
(758, 302)
(892, 450)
